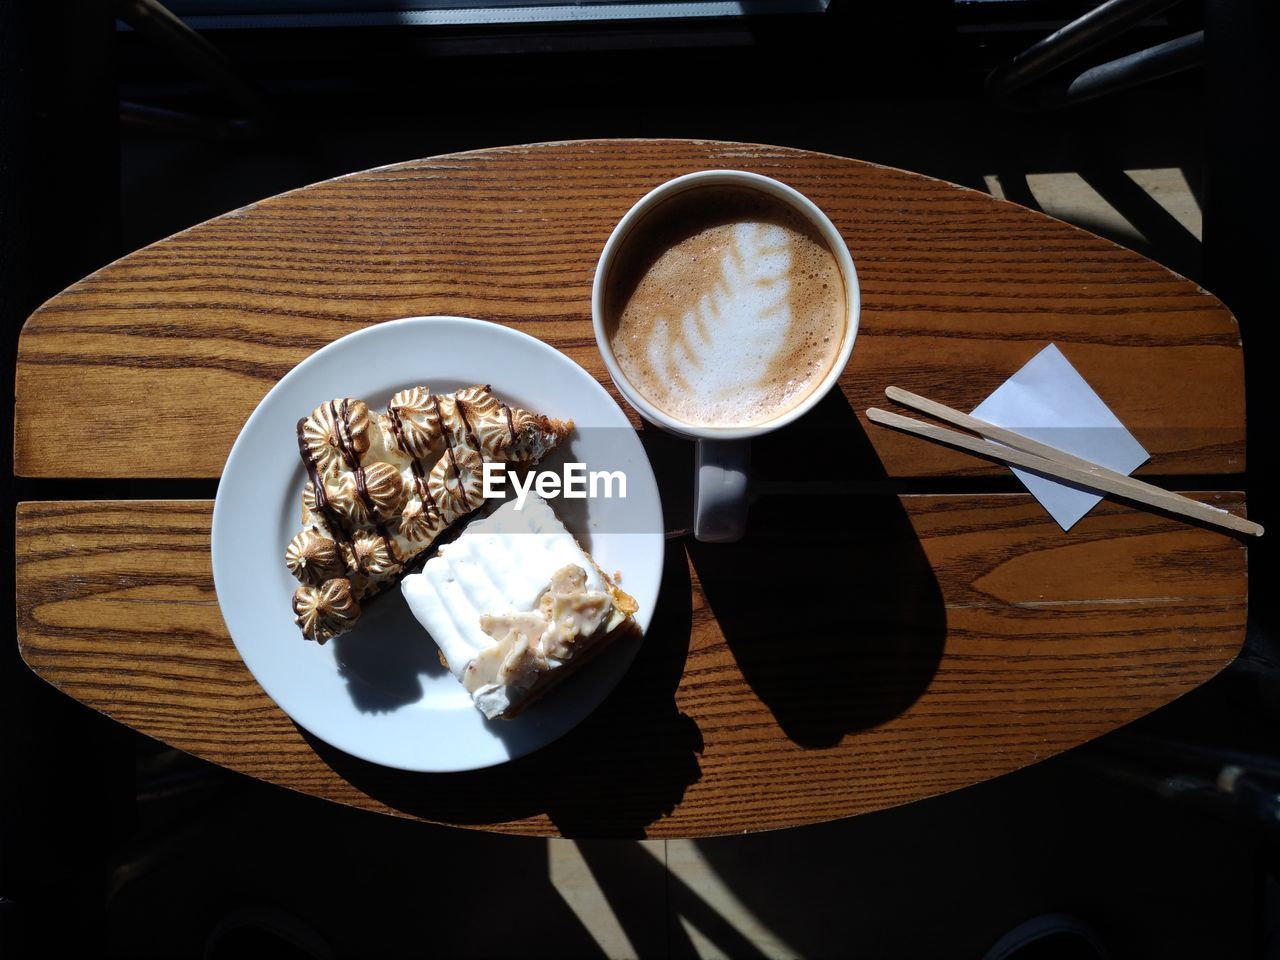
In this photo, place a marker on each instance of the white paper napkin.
(1049, 401)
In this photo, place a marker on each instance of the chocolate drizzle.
(419, 478)
(466, 423)
(347, 448)
(420, 481)
(448, 448)
(397, 430)
(392, 549)
(348, 452)
(444, 427)
(332, 518)
(511, 423)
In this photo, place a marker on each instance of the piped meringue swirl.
(325, 611)
(337, 433)
(313, 558)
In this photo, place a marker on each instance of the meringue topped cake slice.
(382, 488)
(516, 605)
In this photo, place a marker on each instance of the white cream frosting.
(500, 564)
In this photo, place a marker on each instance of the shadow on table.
(624, 767)
(829, 604)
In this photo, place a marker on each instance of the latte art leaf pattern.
(727, 343)
(725, 308)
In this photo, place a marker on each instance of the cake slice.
(382, 488)
(516, 605)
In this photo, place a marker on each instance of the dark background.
(112, 845)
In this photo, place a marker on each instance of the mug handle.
(720, 490)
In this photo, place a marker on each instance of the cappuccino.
(725, 307)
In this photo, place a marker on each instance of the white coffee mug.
(722, 457)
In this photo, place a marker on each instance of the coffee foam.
(727, 309)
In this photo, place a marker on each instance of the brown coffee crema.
(725, 307)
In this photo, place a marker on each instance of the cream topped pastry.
(381, 489)
(515, 605)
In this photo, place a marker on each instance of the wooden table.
(957, 632)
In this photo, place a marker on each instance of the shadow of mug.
(829, 604)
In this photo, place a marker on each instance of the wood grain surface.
(929, 642)
(965, 637)
(149, 367)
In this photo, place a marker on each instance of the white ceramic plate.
(379, 692)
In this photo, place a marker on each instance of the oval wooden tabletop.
(954, 636)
